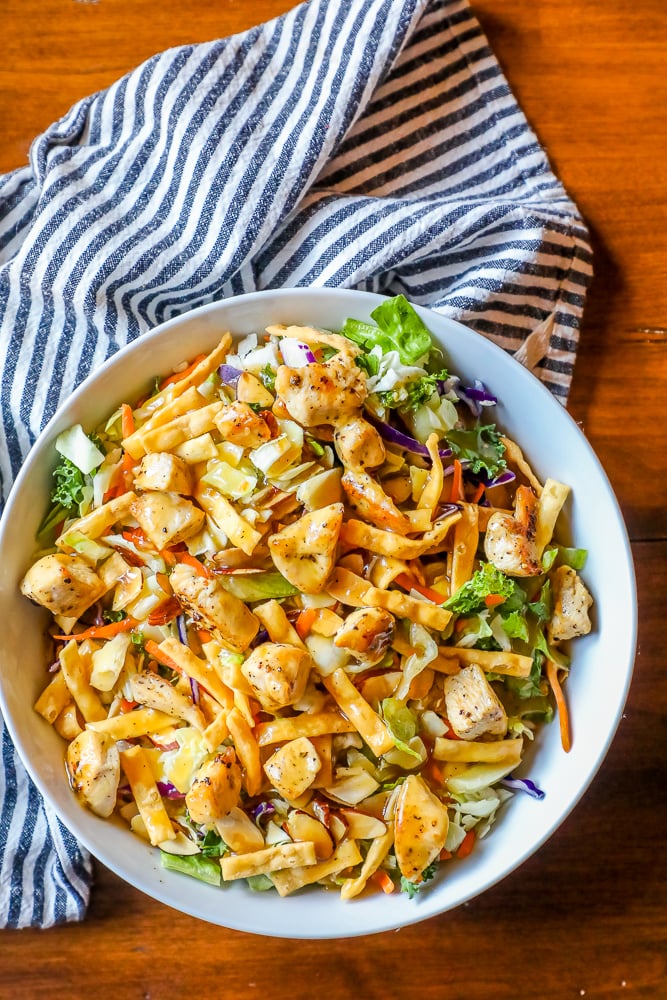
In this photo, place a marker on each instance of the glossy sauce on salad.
(309, 606)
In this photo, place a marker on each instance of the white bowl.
(596, 689)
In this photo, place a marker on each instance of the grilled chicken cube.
(367, 497)
(93, 766)
(162, 471)
(278, 674)
(421, 825)
(208, 601)
(215, 789)
(305, 552)
(571, 603)
(473, 708)
(153, 691)
(65, 584)
(358, 444)
(510, 542)
(293, 768)
(167, 518)
(239, 424)
(367, 633)
(327, 393)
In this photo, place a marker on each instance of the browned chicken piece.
(162, 471)
(215, 789)
(239, 424)
(305, 551)
(570, 608)
(372, 503)
(278, 674)
(367, 633)
(473, 708)
(358, 444)
(208, 601)
(328, 393)
(93, 766)
(510, 541)
(167, 518)
(64, 584)
(421, 824)
(153, 691)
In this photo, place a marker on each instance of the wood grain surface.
(587, 915)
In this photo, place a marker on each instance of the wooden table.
(587, 916)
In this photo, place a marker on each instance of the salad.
(308, 606)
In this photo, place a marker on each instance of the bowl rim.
(428, 906)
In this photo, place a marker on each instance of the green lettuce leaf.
(484, 581)
(481, 446)
(398, 328)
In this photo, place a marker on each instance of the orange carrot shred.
(384, 880)
(493, 600)
(563, 714)
(126, 420)
(305, 621)
(409, 583)
(466, 845)
(101, 631)
(179, 376)
(456, 493)
(196, 565)
(154, 650)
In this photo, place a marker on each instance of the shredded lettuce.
(412, 888)
(258, 586)
(481, 447)
(194, 865)
(401, 723)
(485, 581)
(398, 328)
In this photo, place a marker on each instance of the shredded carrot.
(466, 845)
(444, 855)
(493, 600)
(169, 557)
(563, 714)
(101, 631)
(196, 565)
(120, 481)
(163, 581)
(456, 493)
(409, 583)
(126, 706)
(384, 880)
(135, 535)
(179, 376)
(435, 773)
(478, 494)
(204, 635)
(126, 420)
(154, 650)
(305, 621)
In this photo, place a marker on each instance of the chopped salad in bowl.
(309, 607)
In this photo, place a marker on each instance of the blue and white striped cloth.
(372, 144)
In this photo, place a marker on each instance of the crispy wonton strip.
(309, 335)
(345, 856)
(377, 852)
(366, 721)
(466, 539)
(387, 543)
(271, 859)
(196, 668)
(131, 725)
(474, 751)
(317, 724)
(182, 428)
(238, 530)
(145, 791)
(549, 507)
(510, 664)
(54, 698)
(515, 456)
(76, 674)
(198, 375)
(433, 489)
(97, 521)
(247, 750)
(172, 408)
(352, 590)
(272, 616)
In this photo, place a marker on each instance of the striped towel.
(371, 144)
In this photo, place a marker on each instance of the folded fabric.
(372, 144)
